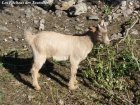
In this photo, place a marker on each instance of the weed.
(112, 65)
(1, 64)
(1, 96)
(6, 77)
(107, 10)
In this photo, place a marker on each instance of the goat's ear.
(102, 28)
(99, 27)
(92, 28)
(103, 25)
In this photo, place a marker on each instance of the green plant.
(1, 96)
(107, 10)
(112, 65)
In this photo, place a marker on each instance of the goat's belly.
(60, 58)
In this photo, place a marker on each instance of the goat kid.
(48, 44)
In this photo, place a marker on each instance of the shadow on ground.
(18, 66)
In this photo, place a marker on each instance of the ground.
(16, 61)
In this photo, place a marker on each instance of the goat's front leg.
(73, 84)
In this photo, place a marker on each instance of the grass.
(112, 65)
(112, 68)
(107, 10)
(1, 96)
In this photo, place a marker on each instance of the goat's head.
(101, 33)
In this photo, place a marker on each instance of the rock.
(80, 1)
(16, 39)
(131, 5)
(123, 5)
(115, 15)
(127, 12)
(40, 9)
(30, 97)
(49, 2)
(28, 12)
(36, 21)
(10, 37)
(78, 9)
(5, 40)
(46, 4)
(93, 17)
(41, 26)
(116, 36)
(3, 28)
(61, 102)
(106, 23)
(59, 13)
(109, 18)
(77, 19)
(65, 5)
(134, 32)
(78, 28)
(42, 21)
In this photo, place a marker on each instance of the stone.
(78, 28)
(58, 13)
(28, 13)
(80, 1)
(80, 8)
(3, 28)
(127, 12)
(41, 26)
(116, 36)
(15, 39)
(115, 15)
(65, 5)
(93, 17)
(123, 3)
(36, 21)
(49, 2)
(61, 102)
(109, 18)
(5, 40)
(40, 9)
(42, 21)
(134, 32)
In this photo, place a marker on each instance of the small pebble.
(15, 39)
(61, 102)
(5, 40)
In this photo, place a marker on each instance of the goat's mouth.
(107, 43)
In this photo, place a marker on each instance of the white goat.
(47, 44)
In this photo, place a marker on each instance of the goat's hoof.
(73, 87)
(37, 88)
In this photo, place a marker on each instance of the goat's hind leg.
(38, 63)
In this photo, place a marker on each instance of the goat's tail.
(28, 35)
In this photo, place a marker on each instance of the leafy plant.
(112, 65)
(107, 10)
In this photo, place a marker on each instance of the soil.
(16, 61)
